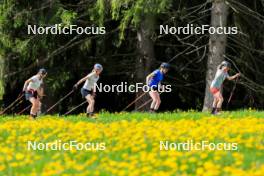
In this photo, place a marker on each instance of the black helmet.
(42, 71)
(165, 65)
(225, 64)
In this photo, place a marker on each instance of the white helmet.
(98, 67)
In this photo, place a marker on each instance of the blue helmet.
(165, 65)
(98, 67)
(42, 71)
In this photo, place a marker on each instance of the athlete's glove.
(75, 87)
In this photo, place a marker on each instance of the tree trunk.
(217, 46)
(146, 57)
(2, 78)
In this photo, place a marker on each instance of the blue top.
(156, 79)
(220, 76)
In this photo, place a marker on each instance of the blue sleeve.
(155, 72)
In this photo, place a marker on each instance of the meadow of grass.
(132, 144)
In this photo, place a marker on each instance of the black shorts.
(31, 94)
(86, 92)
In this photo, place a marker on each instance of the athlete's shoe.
(152, 111)
(213, 111)
(218, 113)
(32, 117)
(91, 115)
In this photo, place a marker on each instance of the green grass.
(105, 117)
(124, 131)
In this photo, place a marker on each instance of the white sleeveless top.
(91, 81)
(35, 83)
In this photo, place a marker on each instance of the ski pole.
(73, 109)
(147, 102)
(133, 102)
(12, 104)
(58, 102)
(232, 93)
(14, 107)
(19, 113)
